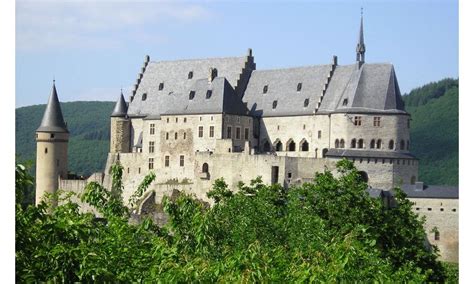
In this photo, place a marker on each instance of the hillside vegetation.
(89, 127)
(435, 130)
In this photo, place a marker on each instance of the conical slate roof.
(120, 109)
(53, 120)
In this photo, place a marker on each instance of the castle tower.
(51, 148)
(360, 49)
(120, 128)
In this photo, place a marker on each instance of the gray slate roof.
(120, 109)
(174, 76)
(353, 153)
(53, 120)
(432, 191)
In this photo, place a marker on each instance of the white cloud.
(104, 24)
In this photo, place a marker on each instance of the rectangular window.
(150, 163)
(167, 161)
(200, 131)
(167, 135)
(139, 170)
(184, 135)
(246, 134)
(181, 161)
(175, 135)
(357, 120)
(377, 121)
(319, 134)
(229, 132)
(152, 129)
(168, 120)
(151, 147)
(211, 131)
(237, 133)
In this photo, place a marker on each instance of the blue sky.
(93, 48)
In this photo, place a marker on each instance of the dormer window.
(192, 94)
(298, 88)
(190, 75)
(275, 103)
(306, 102)
(344, 102)
(208, 94)
(144, 97)
(161, 86)
(265, 89)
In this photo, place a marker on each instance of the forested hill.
(434, 130)
(89, 127)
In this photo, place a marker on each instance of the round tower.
(120, 128)
(51, 148)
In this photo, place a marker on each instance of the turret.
(120, 127)
(360, 49)
(51, 148)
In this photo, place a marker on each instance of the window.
(266, 146)
(144, 96)
(291, 146)
(278, 127)
(360, 144)
(402, 145)
(167, 120)
(192, 94)
(181, 161)
(237, 133)
(128, 170)
(274, 105)
(391, 145)
(413, 180)
(151, 147)
(176, 136)
(306, 103)
(184, 135)
(357, 120)
(304, 146)
(208, 94)
(152, 129)
(265, 89)
(176, 120)
(167, 136)
(205, 168)
(238, 119)
(211, 131)
(278, 146)
(342, 144)
(200, 131)
(319, 134)
(353, 143)
(190, 75)
(229, 132)
(372, 144)
(299, 86)
(246, 134)
(139, 170)
(336, 143)
(436, 235)
(344, 102)
(379, 143)
(289, 175)
(325, 151)
(377, 121)
(46, 150)
(167, 161)
(185, 120)
(161, 86)
(52, 135)
(150, 163)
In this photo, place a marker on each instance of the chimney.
(212, 74)
(419, 186)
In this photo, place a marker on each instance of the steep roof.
(53, 120)
(431, 191)
(174, 77)
(120, 109)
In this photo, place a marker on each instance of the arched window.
(205, 168)
(342, 144)
(266, 146)
(372, 144)
(278, 146)
(413, 180)
(325, 151)
(379, 143)
(390, 145)
(290, 145)
(336, 143)
(316, 152)
(304, 145)
(363, 175)
(353, 143)
(360, 144)
(402, 144)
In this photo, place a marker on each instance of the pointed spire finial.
(360, 44)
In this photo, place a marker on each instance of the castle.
(193, 121)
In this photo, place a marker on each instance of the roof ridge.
(199, 59)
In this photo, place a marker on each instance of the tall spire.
(53, 120)
(120, 109)
(361, 45)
